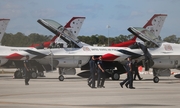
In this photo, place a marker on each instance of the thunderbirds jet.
(67, 67)
(160, 56)
(74, 26)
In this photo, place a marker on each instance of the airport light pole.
(108, 26)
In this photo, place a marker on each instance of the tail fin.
(74, 25)
(155, 24)
(3, 25)
(71, 31)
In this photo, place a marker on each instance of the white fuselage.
(77, 57)
(165, 56)
(63, 57)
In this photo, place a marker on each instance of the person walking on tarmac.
(91, 79)
(129, 79)
(27, 70)
(101, 74)
(135, 69)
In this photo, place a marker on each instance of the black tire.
(156, 79)
(61, 78)
(34, 75)
(41, 74)
(17, 74)
(115, 76)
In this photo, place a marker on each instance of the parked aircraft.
(3, 25)
(108, 58)
(74, 26)
(160, 56)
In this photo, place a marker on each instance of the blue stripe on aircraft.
(38, 55)
(129, 53)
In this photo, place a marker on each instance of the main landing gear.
(115, 76)
(19, 73)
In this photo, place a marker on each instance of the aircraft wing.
(145, 35)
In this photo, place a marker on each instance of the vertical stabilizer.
(3, 25)
(155, 24)
(72, 29)
(74, 25)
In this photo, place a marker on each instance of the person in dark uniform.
(101, 73)
(129, 79)
(91, 79)
(135, 69)
(27, 70)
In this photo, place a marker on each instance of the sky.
(118, 14)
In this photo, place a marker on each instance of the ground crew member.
(135, 69)
(129, 79)
(27, 70)
(91, 79)
(101, 74)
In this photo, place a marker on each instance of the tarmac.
(73, 92)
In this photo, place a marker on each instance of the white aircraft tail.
(156, 23)
(74, 25)
(3, 25)
(72, 29)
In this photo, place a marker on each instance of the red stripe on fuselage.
(109, 57)
(14, 56)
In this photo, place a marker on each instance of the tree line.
(21, 40)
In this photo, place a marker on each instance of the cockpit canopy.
(150, 39)
(51, 25)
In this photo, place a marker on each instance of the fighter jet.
(74, 26)
(158, 55)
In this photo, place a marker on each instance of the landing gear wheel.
(61, 78)
(18, 74)
(115, 76)
(41, 74)
(34, 75)
(156, 79)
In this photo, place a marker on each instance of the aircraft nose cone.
(109, 57)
